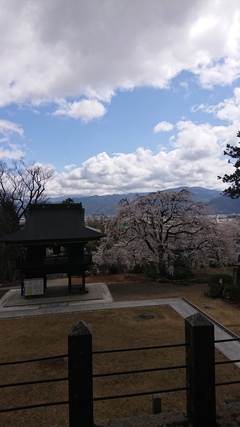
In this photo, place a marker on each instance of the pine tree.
(233, 179)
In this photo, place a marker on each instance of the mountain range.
(106, 205)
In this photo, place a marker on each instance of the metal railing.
(139, 371)
(199, 367)
(34, 382)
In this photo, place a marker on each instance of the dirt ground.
(132, 287)
(112, 329)
(128, 287)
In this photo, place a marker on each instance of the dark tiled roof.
(54, 223)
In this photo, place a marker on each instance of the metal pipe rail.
(139, 371)
(33, 360)
(26, 383)
(153, 347)
(144, 393)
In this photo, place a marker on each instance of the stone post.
(200, 374)
(80, 376)
(156, 403)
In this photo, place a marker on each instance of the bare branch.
(23, 183)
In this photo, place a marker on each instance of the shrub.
(152, 271)
(138, 269)
(220, 285)
(113, 269)
(93, 269)
(183, 273)
(234, 293)
(216, 290)
(220, 278)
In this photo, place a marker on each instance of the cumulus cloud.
(163, 127)
(91, 49)
(73, 57)
(194, 160)
(71, 166)
(85, 110)
(226, 110)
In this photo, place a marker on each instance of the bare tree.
(20, 185)
(23, 184)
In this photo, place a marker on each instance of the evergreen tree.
(68, 201)
(233, 179)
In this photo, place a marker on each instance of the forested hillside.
(105, 205)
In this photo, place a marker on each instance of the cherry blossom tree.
(163, 229)
(151, 228)
(217, 242)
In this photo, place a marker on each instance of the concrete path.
(230, 349)
(99, 298)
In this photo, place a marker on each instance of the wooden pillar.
(45, 282)
(69, 282)
(83, 281)
(200, 374)
(80, 376)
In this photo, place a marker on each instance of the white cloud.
(194, 157)
(85, 110)
(228, 110)
(184, 85)
(7, 128)
(13, 152)
(78, 55)
(195, 160)
(9, 149)
(72, 49)
(163, 127)
(69, 167)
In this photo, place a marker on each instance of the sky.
(120, 96)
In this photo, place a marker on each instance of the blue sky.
(120, 96)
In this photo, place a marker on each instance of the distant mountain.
(106, 205)
(199, 193)
(224, 205)
(96, 205)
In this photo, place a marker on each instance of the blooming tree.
(163, 228)
(217, 242)
(152, 228)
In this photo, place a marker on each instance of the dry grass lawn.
(39, 336)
